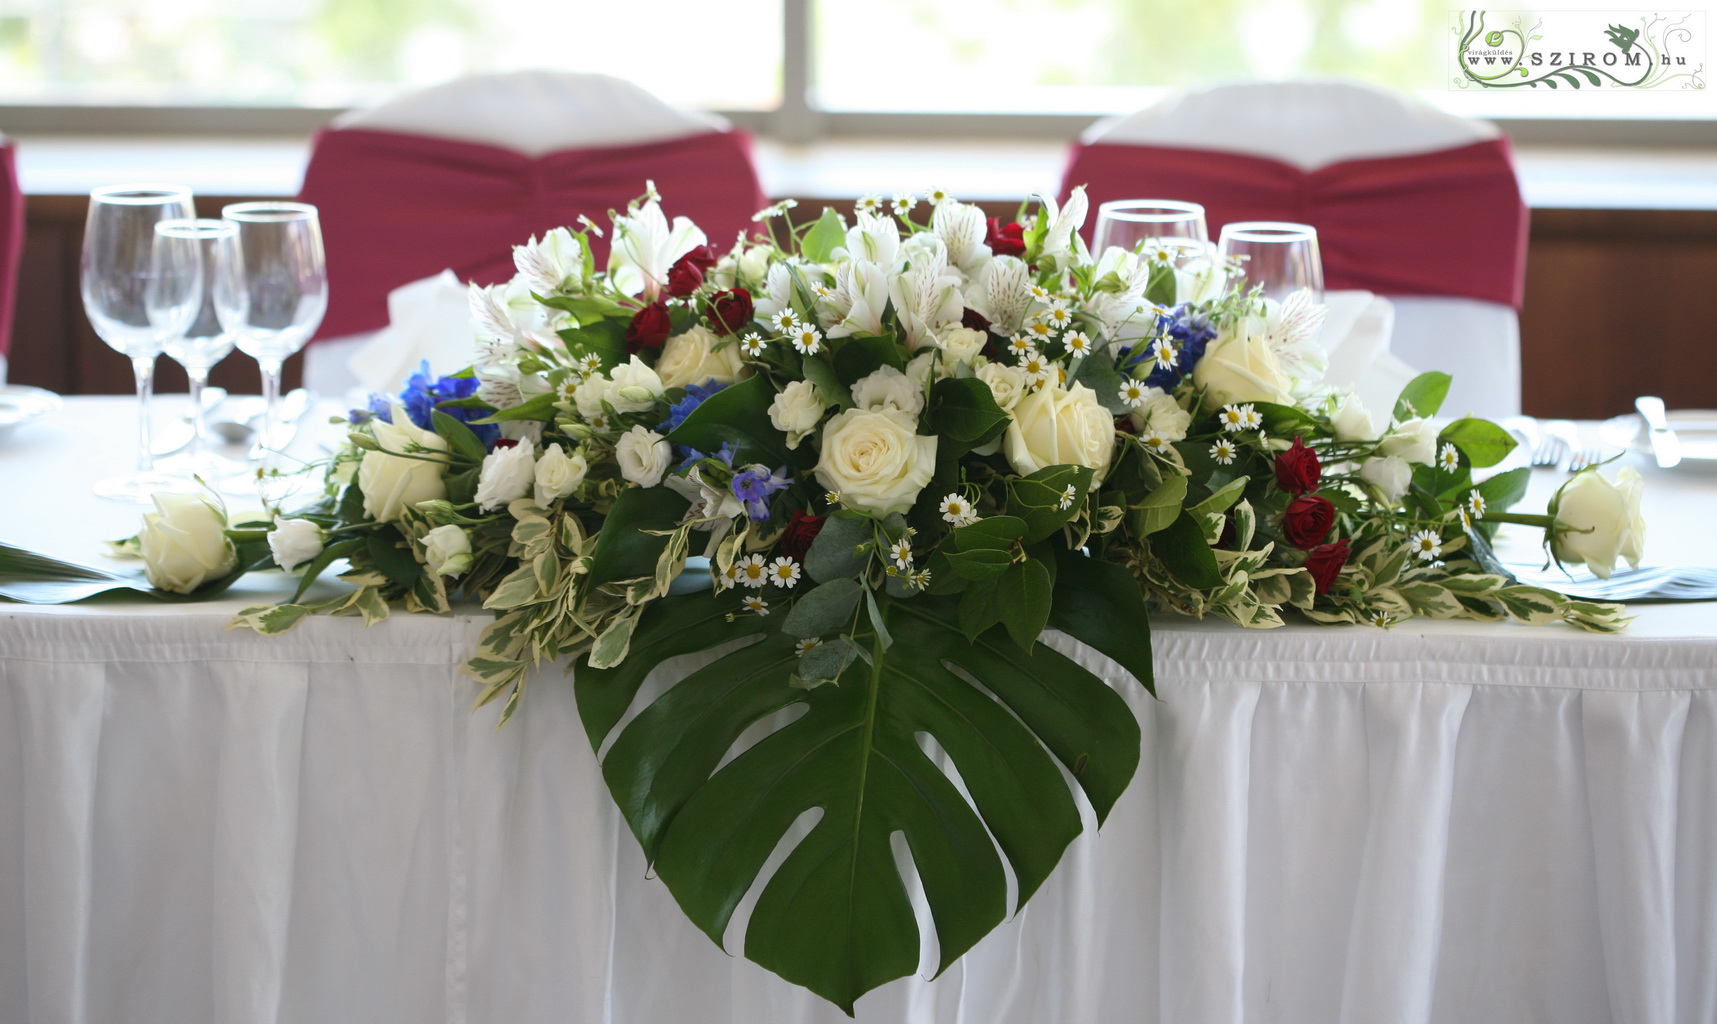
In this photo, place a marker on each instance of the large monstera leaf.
(835, 916)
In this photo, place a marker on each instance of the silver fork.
(1579, 453)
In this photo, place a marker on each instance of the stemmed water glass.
(199, 270)
(116, 272)
(282, 295)
(1127, 223)
(1278, 255)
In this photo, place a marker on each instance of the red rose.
(1297, 469)
(1324, 562)
(1005, 239)
(730, 311)
(801, 531)
(687, 273)
(973, 320)
(1307, 521)
(648, 329)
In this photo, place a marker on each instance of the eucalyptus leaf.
(836, 551)
(825, 609)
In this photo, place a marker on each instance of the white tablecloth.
(1439, 822)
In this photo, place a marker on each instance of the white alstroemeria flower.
(866, 284)
(505, 316)
(552, 266)
(962, 229)
(873, 239)
(926, 296)
(504, 387)
(1061, 239)
(1002, 293)
(1200, 280)
(777, 292)
(1291, 329)
(712, 508)
(645, 247)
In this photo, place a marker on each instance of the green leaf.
(739, 416)
(1024, 593)
(979, 563)
(835, 553)
(965, 410)
(1223, 498)
(835, 916)
(825, 236)
(1161, 508)
(990, 532)
(624, 548)
(1039, 498)
(605, 339)
(1484, 443)
(1285, 420)
(1098, 373)
(859, 357)
(38, 579)
(829, 386)
(1100, 604)
(386, 547)
(1183, 550)
(1161, 286)
(330, 554)
(458, 436)
(1504, 490)
(1422, 396)
(825, 609)
(537, 407)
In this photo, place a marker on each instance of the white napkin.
(1355, 336)
(428, 319)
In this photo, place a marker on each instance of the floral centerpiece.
(862, 465)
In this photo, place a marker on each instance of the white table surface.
(1437, 822)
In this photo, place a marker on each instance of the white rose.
(448, 550)
(294, 542)
(1240, 367)
(589, 396)
(634, 388)
(1054, 426)
(507, 475)
(1007, 383)
(1597, 521)
(1390, 474)
(888, 388)
(558, 474)
(184, 543)
(692, 358)
(960, 344)
(1162, 416)
(1414, 440)
(643, 456)
(796, 411)
(875, 459)
(391, 484)
(921, 366)
(1351, 420)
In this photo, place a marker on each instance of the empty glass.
(1280, 256)
(116, 272)
(207, 249)
(1129, 222)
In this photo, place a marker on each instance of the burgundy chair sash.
(11, 242)
(396, 207)
(1446, 222)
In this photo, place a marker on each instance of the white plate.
(20, 403)
(1697, 429)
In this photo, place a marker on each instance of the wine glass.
(115, 273)
(1280, 256)
(199, 272)
(281, 297)
(1165, 222)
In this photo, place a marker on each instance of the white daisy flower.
(807, 340)
(774, 210)
(1223, 451)
(1382, 620)
(901, 552)
(1254, 419)
(784, 572)
(1466, 517)
(1449, 457)
(728, 578)
(599, 422)
(919, 579)
(1058, 314)
(590, 363)
(806, 644)
(1019, 344)
(785, 321)
(1134, 393)
(1426, 545)
(832, 497)
(753, 571)
(869, 203)
(1161, 254)
(1039, 331)
(957, 510)
(1040, 293)
(568, 387)
(1477, 505)
(903, 203)
(937, 196)
(1037, 368)
(1155, 442)
(1067, 497)
(1164, 352)
(1233, 417)
(756, 604)
(752, 344)
(1078, 343)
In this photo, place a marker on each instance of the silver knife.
(1665, 446)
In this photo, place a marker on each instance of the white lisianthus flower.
(1239, 366)
(1414, 440)
(920, 366)
(293, 542)
(552, 266)
(557, 474)
(392, 483)
(960, 344)
(634, 387)
(447, 550)
(875, 460)
(1160, 415)
(507, 475)
(796, 410)
(1055, 426)
(1597, 521)
(645, 248)
(888, 388)
(1390, 474)
(694, 357)
(1007, 383)
(1351, 421)
(184, 543)
(644, 456)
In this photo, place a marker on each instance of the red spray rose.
(648, 329)
(1307, 521)
(973, 320)
(687, 273)
(1297, 469)
(1324, 562)
(801, 531)
(730, 311)
(1005, 239)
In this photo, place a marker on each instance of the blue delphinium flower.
(1190, 333)
(691, 456)
(754, 484)
(423, 391)
(381, 408)
(696, 394)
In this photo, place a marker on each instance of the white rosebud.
(184, 543)
(888, 388)
(1597, 521)
(294, 542)
(507, 475)
(1053, 426)
(1351, 420)
(558, 474)
(448, 550)
(643, 455)
(961, 344)
(693, 358)
(636, 387)
(1414, 440)
(1162, 416)
(1007, 383)
(876, 460)
(1390, 474)
(392, 483)
(796, 410)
